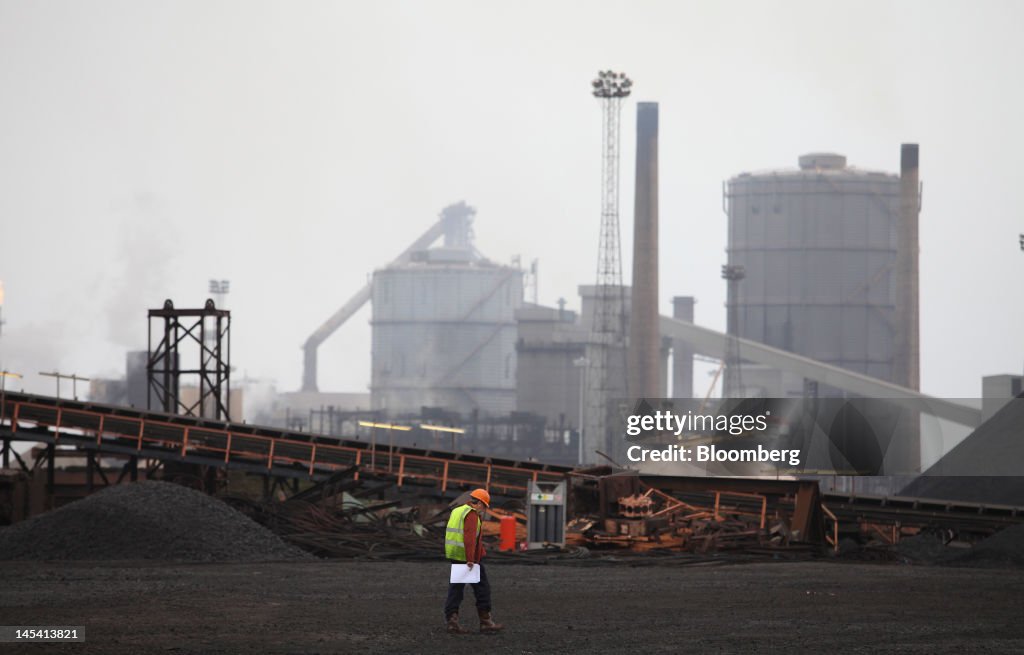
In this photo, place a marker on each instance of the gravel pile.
(1003, 549)
(144, 521)
(926, 548)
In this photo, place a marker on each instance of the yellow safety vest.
(454, 541)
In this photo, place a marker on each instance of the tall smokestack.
(907, 343)
(682, 352)
(644, 336)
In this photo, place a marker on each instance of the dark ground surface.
(372, 607)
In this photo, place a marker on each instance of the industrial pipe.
(309, 370)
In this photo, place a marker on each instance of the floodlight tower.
(608, 330)
(219, 289)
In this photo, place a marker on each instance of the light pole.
(581, 363)
(75, 379)
(373, 439)
(441, 428)
(608, 329)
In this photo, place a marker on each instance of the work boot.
(453, 625)
(487, 626)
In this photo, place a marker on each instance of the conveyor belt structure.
(272, 451)
(107, 429)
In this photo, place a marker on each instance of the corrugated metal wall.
(819, 248)
(444, 336)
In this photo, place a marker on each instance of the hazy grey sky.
(293, 147)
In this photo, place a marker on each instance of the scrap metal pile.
(623, 510)
(351, 527)
(341, 518)
(613, 510)
(617, 513)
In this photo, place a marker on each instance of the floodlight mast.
(608, 330)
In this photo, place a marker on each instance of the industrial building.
(819, 259)
(472, 387)
(820, 254)
(551, 351)
(444, 330)
(822, 299)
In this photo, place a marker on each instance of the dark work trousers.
(481, 590)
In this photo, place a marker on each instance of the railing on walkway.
(163, 436)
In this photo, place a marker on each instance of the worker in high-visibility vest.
(463, 544)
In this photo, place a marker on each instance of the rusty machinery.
(645, 512)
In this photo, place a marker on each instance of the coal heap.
(984, 468)
(145, 521)
(1003, 549)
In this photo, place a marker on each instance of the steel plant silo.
(443, 328)
(821, 276)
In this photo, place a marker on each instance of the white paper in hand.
(462, 573)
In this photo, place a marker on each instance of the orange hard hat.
(482, 496)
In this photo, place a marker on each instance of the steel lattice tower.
(608, 330)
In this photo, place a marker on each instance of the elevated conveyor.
(107, 429)
(715, 344)
(239, 446)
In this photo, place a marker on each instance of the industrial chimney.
(644, 336)
(907, 343)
